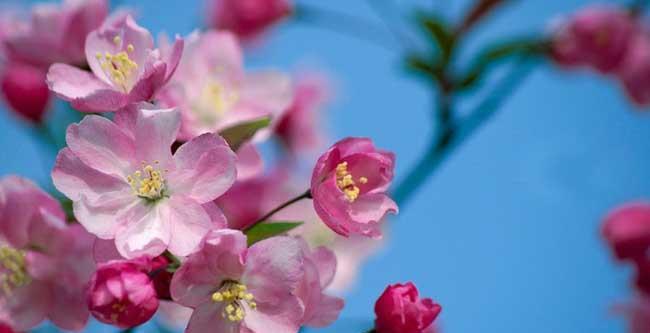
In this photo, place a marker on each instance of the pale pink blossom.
(213, 91)
(349, 185)
(125, 68)
(44, 264)
(235, 289)
(126, 185)
(247, 18)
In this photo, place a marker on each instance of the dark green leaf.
(440, 32)
(239, 134)
(266, 230)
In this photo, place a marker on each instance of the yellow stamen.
(13, 270)
(234, 295)
(346, 183)
(119, 67)
(151, 186)
(117, 40)
(130, 48)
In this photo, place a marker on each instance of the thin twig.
(306, 195)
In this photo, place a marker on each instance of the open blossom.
(44, 264)
(320, 267)
(125, 68)
(23, 87)
(56, 33)
(126, 185)
(349, 185)
(235, 289)
(597, 36)
(122, 294)
(401, 310)
(247, 18)
(213, 91)
(298, 128)
(627, 230)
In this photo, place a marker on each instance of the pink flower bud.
(25, 90)
(4, 328)
(400, 310)
(635, 70)
(247, 18)
(627, 230)
(122, 294)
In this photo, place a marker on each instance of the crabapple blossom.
(401, 310)
(247, 18)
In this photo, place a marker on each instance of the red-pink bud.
(25, 90)
(4, 328)
(247, 18)
(627, 230)
(122, 294)
(400, 310)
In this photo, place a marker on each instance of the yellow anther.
(234, 295)
(13, 270)
(148, 183)
(117, 40)
(214, 101)
(346, 183)
(119, 67)
(130, 48)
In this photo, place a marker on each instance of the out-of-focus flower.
(4, 328)
(637, 313)
(126, 184)
(122, 294)
(247, 18)
(401, 310)
(235, 289)
(627, 230)
(597, 36)
(635, 71)
(125, 68)
(56, 33)
(173, 315)
(213, 92)
(349, 185)
(23, 87)
(298, 128)
(44, 264)
(320, 267)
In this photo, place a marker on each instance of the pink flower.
(400, 310)
(25, 90)
(320, 267)
(57, 33)
(44, 264)
(235, 289)
(597, 36)
(122, 294)
(125, 68)
(638, 314)
(127, 186)
(298, 126)
(349, 186)
(627, 230)
(213, 92)
(635, 70)
(4, 328)
(247, 18)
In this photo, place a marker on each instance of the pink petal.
(326, 311)
(148, 83)
(147, 231)
(269, 90)
(189, 224)
(69, 310)
(83, 90)
(205, 168)
(104, 250)
(216, 215)
(207, 317)
(280, 318)
(27, 306)
(220, 49)
(325, 262)
(155, 132)
(369, 210)
(249, 162)
(101, 145)
(106, 213)
(173, 58)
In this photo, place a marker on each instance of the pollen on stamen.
(130, 48)
(13, 270)
(345, 182)
(147, 183)
(234, 295)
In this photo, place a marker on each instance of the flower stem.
(305, 195)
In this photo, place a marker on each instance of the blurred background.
(505, 235)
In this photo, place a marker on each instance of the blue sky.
(506, 234)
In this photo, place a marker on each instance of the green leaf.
(238, 134)
(266, 230)
(440, 32)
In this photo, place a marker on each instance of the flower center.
(215, 100)
(13, 270)
(119, 67)
(233, 294)
(147, 183)
(346, 182)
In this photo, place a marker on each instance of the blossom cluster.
(172, 206)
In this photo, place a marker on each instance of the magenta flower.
(44, 264)
(23, 87)
(4, 328)
(56, 33)
(320, 267)
(213, 92)
(122, 294)
(127, 186)
(235, 289)
(401, 310)
(125, 68)
(247, 18)
(627, 230)
(298, 128)
(597, 36)
(349, 186)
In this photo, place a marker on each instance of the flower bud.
(400, 310)
(247, 18)
(25, 91)
(122, 294)
(4, 328)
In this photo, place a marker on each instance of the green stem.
(306, 195)
(441, 147)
